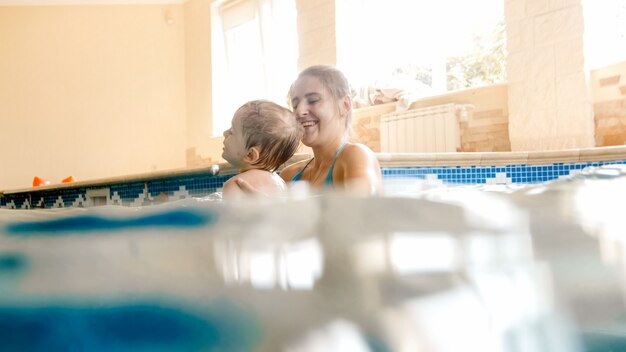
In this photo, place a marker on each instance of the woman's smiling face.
(317, 110)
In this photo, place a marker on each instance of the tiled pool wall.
(134, 193)
(156, 191)
(509, 174)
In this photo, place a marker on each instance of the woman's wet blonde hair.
(273, 129)
(334, 81)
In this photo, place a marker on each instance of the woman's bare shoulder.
(291, 170)
(358, 170)
(358, 160)
(357, 152)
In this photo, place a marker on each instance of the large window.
(254, 52)
(605, 32)
(428, 47)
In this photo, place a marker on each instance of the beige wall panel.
(90, 91)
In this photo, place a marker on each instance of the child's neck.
(248, 167)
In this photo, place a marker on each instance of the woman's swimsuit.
(329, 178)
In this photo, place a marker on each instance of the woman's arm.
(231, 189)
(286, 174)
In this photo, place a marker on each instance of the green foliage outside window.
(483, 64)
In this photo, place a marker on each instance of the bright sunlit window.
(426, 46)
(605, 32)
(254, 53)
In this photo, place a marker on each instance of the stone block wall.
(610, 123)
(366, 124)
(609, 90)
(316, 33)
(549, 101)
(484, 129)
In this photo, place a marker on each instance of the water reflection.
(450, 269)
(407, 281)
(411, 253)
(596, 207)
(293, 265)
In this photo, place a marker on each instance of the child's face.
(234, 144)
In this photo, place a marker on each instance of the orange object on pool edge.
(38, 181)
(69, 179)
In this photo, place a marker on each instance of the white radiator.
(433, 129)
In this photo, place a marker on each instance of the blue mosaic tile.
(128, 192)
(200, 185)
(69, 196)
(481, 174)
(17, 200)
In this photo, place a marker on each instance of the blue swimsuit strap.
(299, 174)
(329, 177)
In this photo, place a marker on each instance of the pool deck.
(503, 158)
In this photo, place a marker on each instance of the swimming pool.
(447, 268)
(401, 173)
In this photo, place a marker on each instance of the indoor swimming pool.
(434, 267)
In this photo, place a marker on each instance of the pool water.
(425, 268)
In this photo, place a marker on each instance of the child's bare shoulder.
(267, 181)
(230, 189)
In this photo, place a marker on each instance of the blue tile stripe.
(519, 174)
(196, 185)
(201, 185)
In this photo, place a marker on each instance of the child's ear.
(253, 155)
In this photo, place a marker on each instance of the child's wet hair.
(273, 129)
